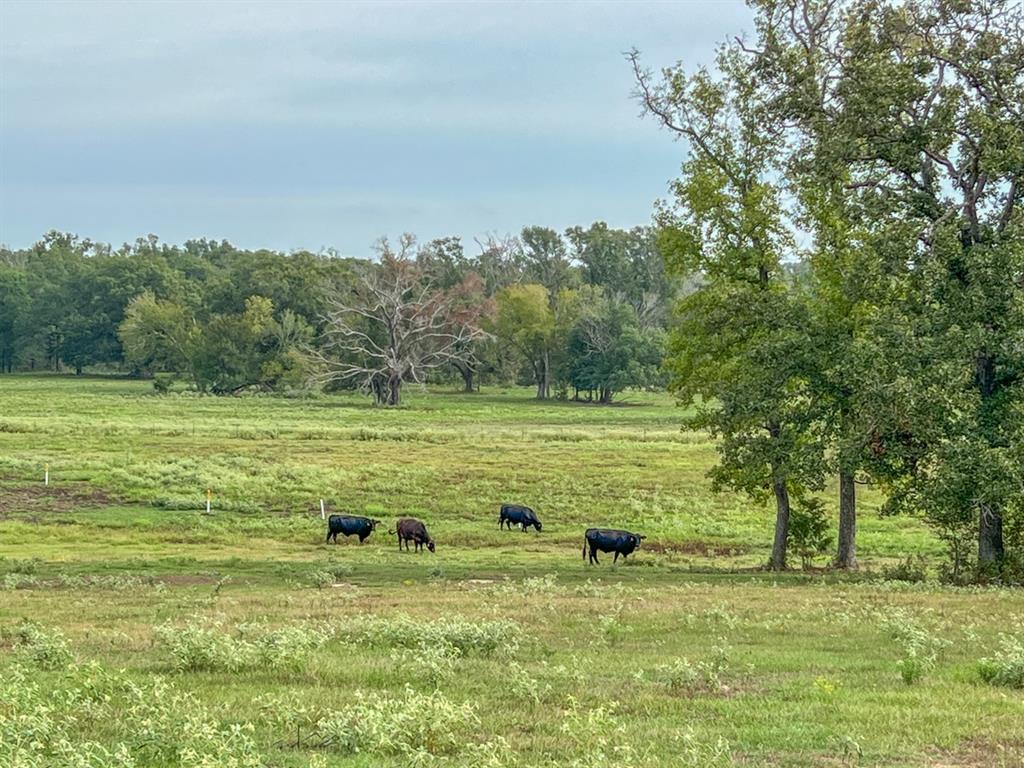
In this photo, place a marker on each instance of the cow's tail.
(392, 533)
(584, 549)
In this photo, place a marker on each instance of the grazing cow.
(514, 513)
(604, 540)
(410, 529)
(350, 525)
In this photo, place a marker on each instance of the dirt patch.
(53, 498)
(700, 548)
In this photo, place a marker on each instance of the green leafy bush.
(809, 530)
(407, 724)
(913, 570)
(1006, 666)
(483, 638)
(46, 649)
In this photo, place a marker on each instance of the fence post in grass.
(46, 474)
(209, 496)
(323, 515)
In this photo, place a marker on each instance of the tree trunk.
(778, 561)
(467, 377)
(846, 557)
(543, 373)
(990, 536)
(395, 391)
(547, 375)
(990, 520)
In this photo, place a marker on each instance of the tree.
(158, 335)
(13, 301)
(546, 260)
(914, 112)
(526, 321)
(608, 350)
(740, 339)
(394, 327)
(627, 265)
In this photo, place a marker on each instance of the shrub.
(195, 649)
(808, 530)
(913, 570)
(682, 676)
(919, 648)
(49, 722)
(1006, 666)
(46, 649)
(483, 638)
(162, 383)
(404, 725)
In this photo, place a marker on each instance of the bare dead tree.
(394, 327)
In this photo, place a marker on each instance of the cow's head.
(637, 538)
(374, 524)
(537, 525)
(430, 545)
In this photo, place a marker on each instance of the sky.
(313, 125)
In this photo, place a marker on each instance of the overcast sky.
(311, 125)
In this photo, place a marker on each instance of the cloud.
(420, 102)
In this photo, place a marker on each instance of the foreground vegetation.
(137, 630)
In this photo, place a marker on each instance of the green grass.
(792, 670)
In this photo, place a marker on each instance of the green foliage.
(809, 530)
(913, 569)
(410, 724)
(919, 648)
(463, 637)
(45, 649)
(48, 721)
(1006, 666)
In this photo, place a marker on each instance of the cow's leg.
(615, 559)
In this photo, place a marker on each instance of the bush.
(914, 570)
(49, 721)
(404, 725)
(46, 649)
(162, 383)
(919, 648)
(1006, 667)
(682, 676)
(196, 648)
(808, 530)
(483, 638)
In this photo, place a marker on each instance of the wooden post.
(46, 474)
(323, 515)
(209, 496)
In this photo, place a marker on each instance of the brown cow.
(410, 529)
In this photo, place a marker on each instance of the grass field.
(131, 618)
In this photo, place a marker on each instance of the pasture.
(136, 628)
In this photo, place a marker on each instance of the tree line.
(578, 314)
(851, 200)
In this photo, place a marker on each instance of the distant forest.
(577, 314)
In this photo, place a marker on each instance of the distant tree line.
(579, 314)
(851, 202)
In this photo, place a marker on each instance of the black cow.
(604, 540)
(514, 513)
(410, 529)
(350, 525)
